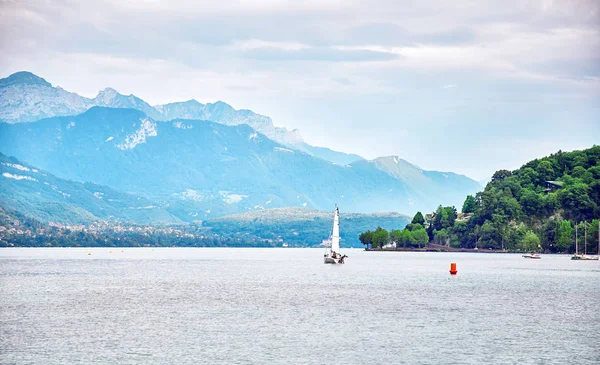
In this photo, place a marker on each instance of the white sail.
(335, 235)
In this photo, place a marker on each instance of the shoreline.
(446, 249)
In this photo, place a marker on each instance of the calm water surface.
(284, 306)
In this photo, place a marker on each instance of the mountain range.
(197, 161)
(25, 97)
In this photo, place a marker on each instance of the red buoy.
(453, 270)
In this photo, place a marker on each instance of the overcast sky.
(448, 85)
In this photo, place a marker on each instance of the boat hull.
(329, 260)
(584, 258)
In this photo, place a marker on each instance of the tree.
(380, 237)
(545, 171)
(549, 235)
(578, 172)
(406, 238)
(461, 230)
(501, 174)
(528, 178)
(420, 237)
(441, 237)
(366, 238)
(469, 205)
(413, 226)
(530, 242)
(395, 236)
(593, 237)
(444, 217)
(488, 236)
(418, 219)
(576, 201)
(564, 236)
(530, 202)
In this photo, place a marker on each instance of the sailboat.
(332, 245)
(585, 257)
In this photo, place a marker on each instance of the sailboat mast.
(576, 240)
(584, 238)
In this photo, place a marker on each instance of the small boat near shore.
(532, 255)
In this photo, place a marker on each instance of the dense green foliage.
(469, 205)
(418, 219)
(537, 207)
(518, 205)
(413, 235)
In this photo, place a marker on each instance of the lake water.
(284, 306)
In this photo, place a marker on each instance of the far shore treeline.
(535, 208)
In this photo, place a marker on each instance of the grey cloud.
(326, 54)
(572, 69)
(343, 81)
(395, 35)
(455, 36)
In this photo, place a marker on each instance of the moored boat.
(532, 255)
(585, 256)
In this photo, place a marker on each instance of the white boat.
(332, 245)
(532, 255)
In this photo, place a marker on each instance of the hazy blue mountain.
(422, 182)
(43, 196)
(301, 227)
(327, 154)
(201, 169)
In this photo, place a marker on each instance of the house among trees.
(552, 186)
(428, 219)
(463, 217)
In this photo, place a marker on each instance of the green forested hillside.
(298, 227)
(40, 195)
(537, 207)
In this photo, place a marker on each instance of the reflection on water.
(284, 306)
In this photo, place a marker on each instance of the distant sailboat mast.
(584, 238)
(576, 247)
